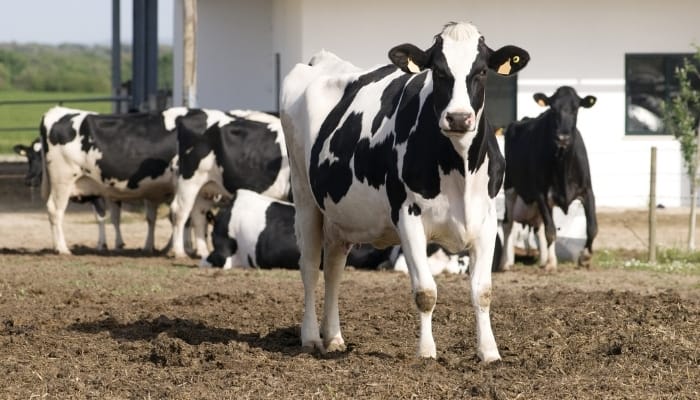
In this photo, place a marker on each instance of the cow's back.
(133, 146)
(264, 230)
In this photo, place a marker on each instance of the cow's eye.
(483, 72)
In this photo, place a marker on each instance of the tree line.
(70, 67)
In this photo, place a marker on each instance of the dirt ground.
(124, 324)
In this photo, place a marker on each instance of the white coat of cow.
(396, 154)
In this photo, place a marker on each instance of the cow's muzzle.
(562, 141)
(460, 122)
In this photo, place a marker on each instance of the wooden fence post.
(652, 207)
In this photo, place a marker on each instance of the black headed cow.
(396, 154)
(219, 153)
(546, 166)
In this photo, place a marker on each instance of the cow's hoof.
(337, 345)
(203, 263)
(503, 268)
(119, 246)
(549, 267)
(488, 356)
(584, 259)
(427, 350)
(311, 346)
(173, 254)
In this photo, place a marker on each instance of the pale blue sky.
(73, 21)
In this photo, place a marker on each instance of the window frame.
(669, 63)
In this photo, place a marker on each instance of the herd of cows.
(359, 162)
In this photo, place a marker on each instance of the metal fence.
(121, 104)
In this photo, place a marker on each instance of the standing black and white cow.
(119, 157)
(397, 154)
(547, 166)
(220, 152)
(99, 204)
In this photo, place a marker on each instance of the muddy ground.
(124, 324)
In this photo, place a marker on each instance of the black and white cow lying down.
(99, 204)
(220, 153)
(120, 157)
(396, 154)
(258, 231)
(547, 166)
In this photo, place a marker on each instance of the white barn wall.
(581, 44)
(235, 57)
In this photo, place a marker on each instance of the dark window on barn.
(501, 99)
(649, 80)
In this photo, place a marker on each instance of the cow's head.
(33, 154)
(564, 104)
(459, 60)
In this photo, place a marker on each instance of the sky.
(74, 21)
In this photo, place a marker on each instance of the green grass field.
(29, 115)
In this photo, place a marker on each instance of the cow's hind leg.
(115, 216)
(98, 207)
(584, 259)
(334, 258)
(308, 225)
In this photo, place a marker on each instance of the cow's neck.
(565, 175)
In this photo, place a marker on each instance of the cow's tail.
(45, 184)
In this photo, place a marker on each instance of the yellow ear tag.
(411, 66)
(504, 69)
(516, 59)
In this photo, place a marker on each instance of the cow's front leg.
(482, 254)
(56, 207)
(550, 233)
(180, 208)
(413, 243)
(584, 259)
(334, 258)
(151, 213)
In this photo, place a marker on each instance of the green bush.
(69, 67)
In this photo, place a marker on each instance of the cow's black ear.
(588, 101)
(541, 99)
(21, 149)
(508, 60)
(409, 58)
